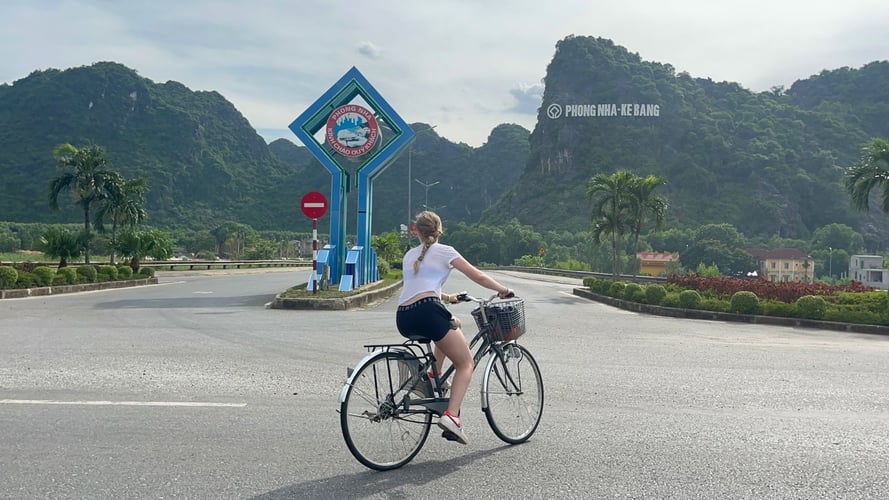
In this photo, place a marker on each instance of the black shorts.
(427, 318)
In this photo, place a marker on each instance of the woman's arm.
(479, 277)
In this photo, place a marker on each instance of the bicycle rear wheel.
(377, 426)
(512, 393)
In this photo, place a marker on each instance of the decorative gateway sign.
(351, 128)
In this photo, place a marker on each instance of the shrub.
(26, 280)
(717, 305)
(8, 276)
(633, 292)
(602, 287)
(107, 273)
(589, 281)
(779, 308)
(811, 306)
(68, 274)
(87, 273)
(616, 289)
(654, 294)
(852, 316)
(146, 272)
(689, 299)
(671, 299)
(124, 272)
(44, 275)
(745, 302)
(382, 267)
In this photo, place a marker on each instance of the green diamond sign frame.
(390, 135)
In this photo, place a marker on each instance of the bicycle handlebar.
(465, 297)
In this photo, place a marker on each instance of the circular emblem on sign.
(554, 111)
(352, 130)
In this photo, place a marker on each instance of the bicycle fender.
(364, 361)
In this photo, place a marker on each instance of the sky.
(464, 66)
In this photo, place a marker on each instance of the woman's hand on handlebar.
(506, 294)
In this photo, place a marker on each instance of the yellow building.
(655, 263)
(784, 264)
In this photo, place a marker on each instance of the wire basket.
(507, 318)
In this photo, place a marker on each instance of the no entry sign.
(313, 205)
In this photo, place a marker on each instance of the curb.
(738, 318)
(20, 293)
(338, 304)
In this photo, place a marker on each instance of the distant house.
(868, 269)
(655, 263)
(784, 264)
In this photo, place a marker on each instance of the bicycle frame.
(422, 352)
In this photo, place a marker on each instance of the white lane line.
(120, 403)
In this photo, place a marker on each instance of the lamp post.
(830, 262)
(426, 185)
(410, 152)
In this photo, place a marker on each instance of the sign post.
(314, 205)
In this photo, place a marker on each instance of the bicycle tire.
(512, 393)
(375, 427)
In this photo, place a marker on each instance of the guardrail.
(583, 274)
(223, 264)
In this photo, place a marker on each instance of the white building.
(868, 269)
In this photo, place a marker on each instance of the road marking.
(120, 403)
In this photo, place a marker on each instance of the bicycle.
(388, 401)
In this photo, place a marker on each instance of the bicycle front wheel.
(512, 393)
(379, 426)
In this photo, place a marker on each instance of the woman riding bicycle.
(421, 309)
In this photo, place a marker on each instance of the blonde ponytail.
(429, 228)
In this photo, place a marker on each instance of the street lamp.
(427, 186)
(410, 152)
(830, 262)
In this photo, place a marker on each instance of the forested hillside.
(205, 163)
(768, 163)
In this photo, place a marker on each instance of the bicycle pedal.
(450, 436)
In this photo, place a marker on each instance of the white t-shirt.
(433, 272)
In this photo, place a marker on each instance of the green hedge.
(8, 276)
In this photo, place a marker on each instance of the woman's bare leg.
(454, 346)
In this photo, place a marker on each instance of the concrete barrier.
(18, 293)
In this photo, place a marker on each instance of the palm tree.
(61, 244)
(871, 172)
(124, 206)
(85, 175)
(645, 205)
(611, 209)
(136, 245)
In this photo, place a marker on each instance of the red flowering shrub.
(764, 289)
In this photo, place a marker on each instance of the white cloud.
(464, 66)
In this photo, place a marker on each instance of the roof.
(778, 253)
(656, 256)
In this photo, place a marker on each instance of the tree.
(720, 245)
(838, 236)
(612, 209)
(84, 172)
(136, 245)
(61, 244)
(645, 207)
(387, 246)
(872, 171)
(124, 205)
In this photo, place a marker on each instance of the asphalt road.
(192, 389)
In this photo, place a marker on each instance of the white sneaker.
(452, 424)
